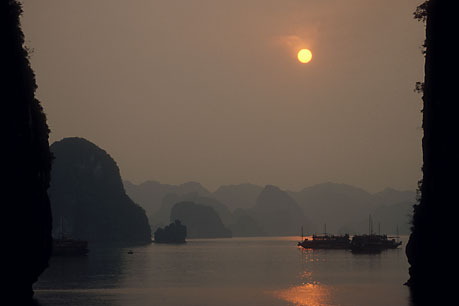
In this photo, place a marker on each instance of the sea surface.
(216, 272)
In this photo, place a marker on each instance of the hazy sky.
(211, 91)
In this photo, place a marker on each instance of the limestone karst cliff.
(88, 198)
(26, 214)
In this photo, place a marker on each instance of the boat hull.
(372, 244)
(70, 247)
(327, 242)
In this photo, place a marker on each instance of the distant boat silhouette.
(65, 246)
(130, 252)
(325, 241)
(69, 247)
(373, 243)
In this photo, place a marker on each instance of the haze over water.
(212, 91)
(238, 271)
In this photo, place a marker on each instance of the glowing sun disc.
(304, 56)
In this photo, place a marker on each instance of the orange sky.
(212, 91)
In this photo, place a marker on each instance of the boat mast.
(302, 239)
(62, 228)
(370, 225)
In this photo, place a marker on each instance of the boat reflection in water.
(310, 294)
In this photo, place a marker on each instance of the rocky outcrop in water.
(88, 198)
(172, 233)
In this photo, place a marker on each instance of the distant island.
(252, 210)
(172, 233)
(202, 221)
(88, 199)
(278, 213)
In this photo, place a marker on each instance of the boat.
(66, 246)
(373, 243)
(325, 241)
(130, 252)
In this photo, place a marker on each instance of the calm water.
(237, 271)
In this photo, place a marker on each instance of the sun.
(304, 56)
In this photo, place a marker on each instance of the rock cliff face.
(26, 214)
(435, 215)
(88, 198)
(201, 221)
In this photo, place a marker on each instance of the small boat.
(130, 252)
(69, 247)
(325, 241)
(66, 246)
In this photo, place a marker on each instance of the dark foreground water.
(237, 271)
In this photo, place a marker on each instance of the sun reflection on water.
(310, 294)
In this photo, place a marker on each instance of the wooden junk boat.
(325, 241)
(373, 243)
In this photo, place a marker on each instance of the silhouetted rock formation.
(238, 196)
(150, 194)
(245, 225)
(391, 196)
(345, 208)
(432, 242)
(172, 233)
(201, 221)
(87, 195)
(342, 207)
(162, 216)
(278, 213)
(26, 214)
